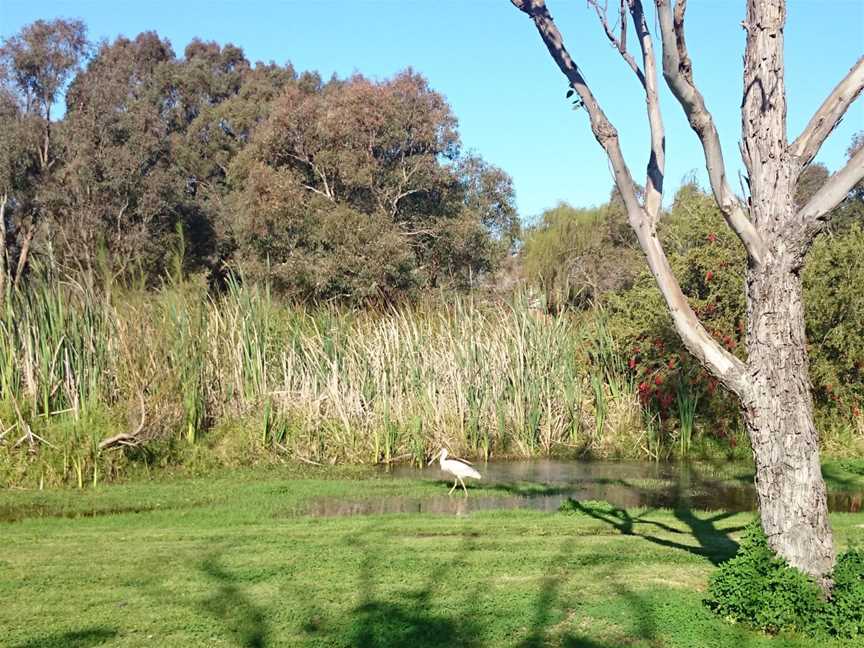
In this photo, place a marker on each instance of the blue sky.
(489, 62)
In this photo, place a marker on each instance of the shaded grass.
(214, 562)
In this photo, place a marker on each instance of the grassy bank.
(227, 561)
(244, 379)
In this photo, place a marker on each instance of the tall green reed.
(322, 384)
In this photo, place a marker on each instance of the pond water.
(543, 485)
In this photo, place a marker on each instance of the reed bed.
(250, 378)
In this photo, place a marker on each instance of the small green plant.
(687, 400)
(760, 589)
(845, 615)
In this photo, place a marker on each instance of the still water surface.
(543, 484)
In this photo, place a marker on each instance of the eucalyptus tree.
(149, 138)
(18, 169)
(118, 190)
(35, 66)
(356, 189)
(222, 125)
(772, 383)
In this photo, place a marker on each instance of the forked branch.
(728, 369)
(829, 114)
(618, 42)
(657, 159)
(648, 81)
(677, 70)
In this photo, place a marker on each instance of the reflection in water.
(622, 484)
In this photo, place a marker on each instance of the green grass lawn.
(227, 561)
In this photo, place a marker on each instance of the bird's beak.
(434, 457)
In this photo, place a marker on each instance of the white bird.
(459, 468)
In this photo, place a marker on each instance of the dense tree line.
(341, 189)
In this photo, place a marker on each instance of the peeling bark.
(779, 417)
(779, 410)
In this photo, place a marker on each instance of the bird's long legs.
(455, 484)
(463, 486)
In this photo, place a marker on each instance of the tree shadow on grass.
(714, 544)
(246, 622)
(377, 621)
(548, 606)
(547, 600)
(76, 639)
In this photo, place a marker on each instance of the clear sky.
(489, 62)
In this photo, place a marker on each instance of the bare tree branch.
(618, 43)
(728, 369)
(648, 80)
(126, 438)
(829, 114)
(622, 19)
(677, 70)
(603, 130)
(657, 159)
(814, 215)
(23, 255)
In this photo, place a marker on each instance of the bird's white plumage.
(459, 468)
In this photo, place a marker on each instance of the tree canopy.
(348, 189)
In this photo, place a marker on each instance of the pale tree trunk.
(778, 407)
(778, 412)
(773, 384)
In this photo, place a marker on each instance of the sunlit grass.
(226, 561)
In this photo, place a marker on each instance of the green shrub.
(845, 615)
(760, 589)
(835, 309)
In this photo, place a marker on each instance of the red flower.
(658, 380)
(632, 363)
(856, 412)
(712, 237)
(709, 276)
(644, 394)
